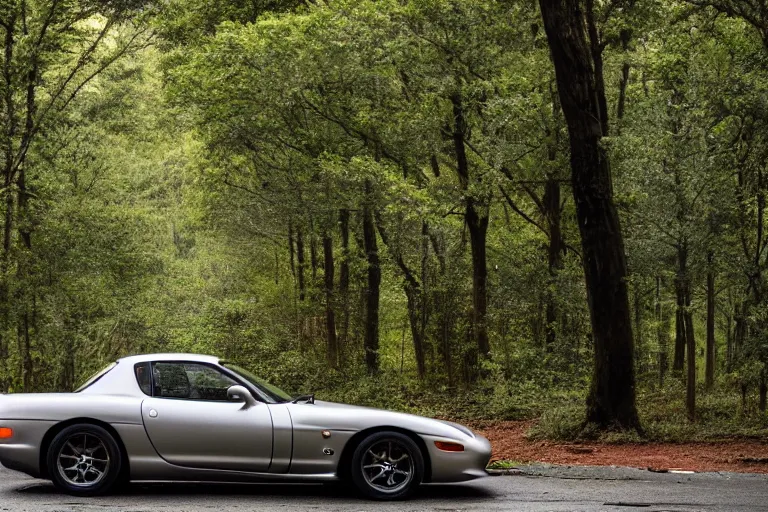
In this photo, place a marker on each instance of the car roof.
(120, 380)
(195, 358)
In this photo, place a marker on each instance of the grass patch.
(505, 464)
(563, 423)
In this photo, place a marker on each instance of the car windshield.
(96, 376)
(272, 392)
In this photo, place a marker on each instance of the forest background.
(380, 202)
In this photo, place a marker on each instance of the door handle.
(152, 413)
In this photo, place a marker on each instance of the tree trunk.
(710, 372)
(415, 299)
(690, 388)
(682, 290)
(441, 302)
(300, 257)
(277, 265)
(625, 35)
(740, 331)
(444, 325)
(291, 249)
(611, 401)
(638, 328)
(596, 50)
(476, 220)
(330, 315)
(763, 391)
(414, 317)
(371, 341)
(10, 129)
(25, 288)
(728, 342)
(478, 232)
(425, 289)
(688, 341)
(662, 333)
(344, 276)
(5, 305)
(313, 250)
(679, 358)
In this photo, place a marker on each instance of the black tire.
(373, 469)
(83, 445)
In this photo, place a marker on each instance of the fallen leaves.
(509, 443)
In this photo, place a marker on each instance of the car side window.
(143, 378)
(190, 381)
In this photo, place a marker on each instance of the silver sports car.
(174, 417)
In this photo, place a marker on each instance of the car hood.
(335, 416)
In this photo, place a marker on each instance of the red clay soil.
(509, 443)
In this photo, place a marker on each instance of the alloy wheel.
(388, 466)
(83, 460)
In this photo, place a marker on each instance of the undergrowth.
(720, 415)
(532, 387)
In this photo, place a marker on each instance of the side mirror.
(240, 394)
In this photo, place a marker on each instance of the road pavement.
(535, 488)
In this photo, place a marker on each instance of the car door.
(191, 422)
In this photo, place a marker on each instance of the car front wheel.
(387, 466)
(84, 460)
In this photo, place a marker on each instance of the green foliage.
(565, 423)
(720, 416)
(504, 464)
(179, 190)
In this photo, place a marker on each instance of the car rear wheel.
(387, 466)
(84, 460)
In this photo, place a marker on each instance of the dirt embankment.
(509, 443)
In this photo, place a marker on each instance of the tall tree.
(51, 52)
(611, 401)
(710, 361)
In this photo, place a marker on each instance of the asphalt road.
(537, 489)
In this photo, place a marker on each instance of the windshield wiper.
(310, 399)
